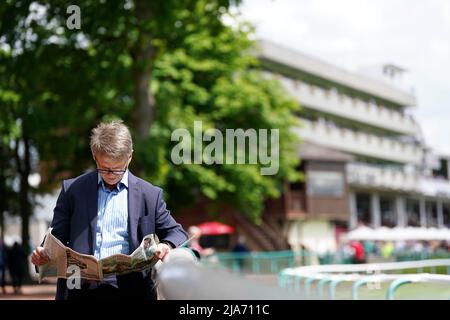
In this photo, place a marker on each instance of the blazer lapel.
(133, 210)
(92, 205)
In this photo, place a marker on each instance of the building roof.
(299, 61)
(309, 151)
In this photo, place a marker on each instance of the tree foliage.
(159, 66)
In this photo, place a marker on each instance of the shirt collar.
(123, 182)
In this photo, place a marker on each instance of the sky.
(353, 34)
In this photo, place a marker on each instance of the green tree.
(160, 66)
(7, 170)
(208, 73)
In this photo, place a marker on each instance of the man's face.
(111, 170)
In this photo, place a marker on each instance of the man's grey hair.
(112, 139)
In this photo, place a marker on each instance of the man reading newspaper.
(66, 263)
(107, 212)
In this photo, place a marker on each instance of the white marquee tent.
(398, 234)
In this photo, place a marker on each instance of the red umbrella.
(215, 228)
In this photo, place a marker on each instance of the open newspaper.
(62, 258)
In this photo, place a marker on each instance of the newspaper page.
(62, 257)
(142, 259)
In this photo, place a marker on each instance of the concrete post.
(353, 221)
(375, 210)
(440, 213)
(401, 211)
(423, 213)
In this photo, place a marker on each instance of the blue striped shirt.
(112, 219)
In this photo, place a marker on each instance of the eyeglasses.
(115, 172)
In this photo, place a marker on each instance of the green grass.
(412, 291)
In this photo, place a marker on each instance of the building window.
(442, 170)
(363, 208)
(446, 215)
(413, 212)
(325, 183)
(387, 211)
(431, 214)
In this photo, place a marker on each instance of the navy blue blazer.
(75, 220)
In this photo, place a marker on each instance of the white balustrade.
(355, 109)
(378, 177)
(328, 135)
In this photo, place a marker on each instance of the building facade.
(363, 154)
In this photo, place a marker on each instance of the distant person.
(346, 253)
(3, 265)
(240, 245)
(443, 246)
(195, 233)
(359, 255)
(305, 255)
(241, 249)
(387, 250)
(17, 264)
(369, 247)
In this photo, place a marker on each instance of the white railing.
(327, 135)
(368, 274)
(435, 187)
(368, 267)
(332, 102)
(181, 277)
(372, 176)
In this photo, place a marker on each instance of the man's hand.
(162, 250)
(39, 256)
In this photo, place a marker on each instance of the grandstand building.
(363, 154)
